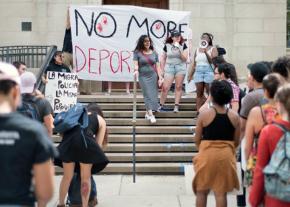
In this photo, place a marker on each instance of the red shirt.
(269, 137)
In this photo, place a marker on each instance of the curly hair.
(140, 43)
(221, 92)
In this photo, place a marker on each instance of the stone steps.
(141, 106)
(150, 129)
(151, 147)
(161, 148)
(143, 122)
(141, 114)
(144, 138)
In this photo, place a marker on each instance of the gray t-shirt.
(173, 53)
(146, 62)
(251, 100)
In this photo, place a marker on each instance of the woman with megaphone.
(202, 70)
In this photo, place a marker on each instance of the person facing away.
(268, 139)
(42, 107)
(216, 136)
(257, 72)
(175, 54)
(282, 66)
(202, 69)
(263, 114)
(147, 69)
(75, 157)
(27, 173)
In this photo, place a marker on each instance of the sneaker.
(152, 119)
(147, 117)
(163, 109)
(176, 109)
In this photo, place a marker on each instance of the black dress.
(80, 146)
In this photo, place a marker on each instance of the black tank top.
(93, 126)
(220, 128)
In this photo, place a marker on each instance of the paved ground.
(148, 191)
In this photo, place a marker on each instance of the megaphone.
(203, 44)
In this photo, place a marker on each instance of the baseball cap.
(27, 82)
(9, 72)
(258, 70)
(175, 33)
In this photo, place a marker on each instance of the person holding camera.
(174, 66)
(202, 69)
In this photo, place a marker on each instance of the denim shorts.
(203, 73)
(175, 69)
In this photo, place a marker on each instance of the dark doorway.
(159, 4)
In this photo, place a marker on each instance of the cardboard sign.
(61, 90)
(104, 37)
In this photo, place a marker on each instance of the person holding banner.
(202, 67)
(174, 65)
(147, 68)
(56, 65)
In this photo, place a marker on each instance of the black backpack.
(29, 108)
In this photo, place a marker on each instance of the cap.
(27, 82)
(258, 70)
(175, 33)
(9, 72)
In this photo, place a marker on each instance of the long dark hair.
(95, 108)
(140, 43)
(169, 40)
(210, 36)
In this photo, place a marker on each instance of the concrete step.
(126, 99)
(152, 157)
(143, 138)
(151, 130)
(142, 168)
(141, 114)
(141, 106)
(143, 122)
(151, 147)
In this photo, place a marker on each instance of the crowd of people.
(232, 125)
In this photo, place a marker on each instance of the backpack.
(75, 116)
(29, 109)
(221, 50)
(74, 194)
(277, 172)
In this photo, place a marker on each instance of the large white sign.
(104, 37)
(61, 90)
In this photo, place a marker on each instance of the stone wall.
(250, 30)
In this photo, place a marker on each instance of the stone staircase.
(162, 148)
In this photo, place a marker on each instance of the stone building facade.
(250, 30)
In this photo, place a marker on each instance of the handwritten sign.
(61, 90)
(104, 37)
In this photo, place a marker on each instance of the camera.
(203, 44)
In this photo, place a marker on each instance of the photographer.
(202, 69)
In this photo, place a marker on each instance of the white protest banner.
(61, 90)
(104, 37)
